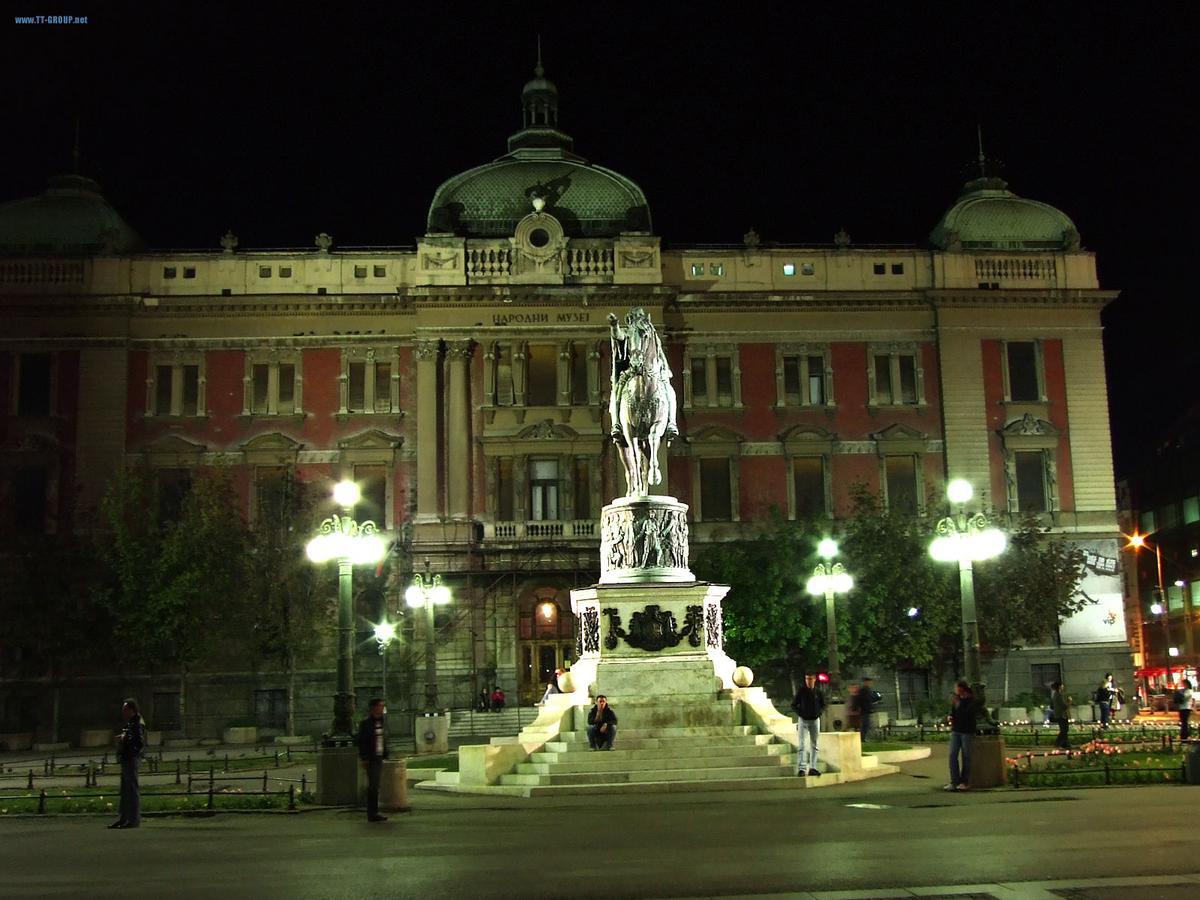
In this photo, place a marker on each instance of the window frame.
(555, 485)
(803, 353)
(1029, 433)
(1039, 366)
(177, 361)
(893, 352)
(916, 458)
(370, 356)
(707, 354)
(708, 443)
(273, 359)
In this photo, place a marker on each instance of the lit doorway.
(546, 641)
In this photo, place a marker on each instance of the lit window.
(285, 271)
(381, 271)
(360, 271)
(789, 269)
(807, 269)
(543, 489)
(897, 268)
(168, 271)
(880, 268)
(717, 269)
(189, 271)
(264, 271)
(697, 269)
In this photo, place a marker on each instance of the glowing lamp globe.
(414, 597)
(743, 677)
(827, 549)
(441, 595)
(346, 494)
(384, 632)
(960, 491)
(1156, 609)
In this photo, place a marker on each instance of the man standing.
(809, 704)
(372, 750)
(1060, 706)
(130, 744)
(962, 731)
(1105, 698)
(865, 700)
(602, 725)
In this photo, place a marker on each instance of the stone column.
(458, 459)
(426, 352)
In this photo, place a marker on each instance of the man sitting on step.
(602, 725)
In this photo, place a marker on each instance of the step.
(673, 732)
(570, 752)
(601, 762)
(624, 742)
(786, 782)
(637, 777)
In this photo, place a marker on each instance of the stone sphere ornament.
(566, 683)
(743, 677)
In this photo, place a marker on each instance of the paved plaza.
(896, 836)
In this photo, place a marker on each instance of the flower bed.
(1099, 762)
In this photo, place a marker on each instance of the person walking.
(865, 700)
(1060, 705)
(602, 725)
(963, 725)
(372, 750)
(131, 743)
(1184, 699)
(808, 704)
(1104, 697)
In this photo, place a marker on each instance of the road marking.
(867, 806)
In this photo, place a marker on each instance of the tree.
(175, 589)
(770, 622)
(887, 553)
(1024, 593)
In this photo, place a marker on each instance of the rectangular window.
(272, 496)
(583, 489)
(883, 379)
(1041, 676)
(383, 387)
(1174, 598)
(287, 389)
(808, 475)
(1147, 522)
(717, 269)
(716, 501)
(542, 365)
(699, 381)
(162, 390)
(372, 482)
(360, 271)
(270, 708)
(168, 271)
(191, 390)
(189, 271)
(579, 374)
(897, 268)
(880, 268)
(504, 489)
(285, 271)
(789, 269)
(543, 489)
(1031, 481)
(164, 711)
(1191, 510)
(697, 269)
(33, 385)
(380, 271)
(173, 486)
(1022, 371)
(816, 380)
(228, 292)
(260, 383)
(356, 395)
(504, 376)
(791, 380)
(724, 381)
(29, 498)
(908, 379)
(264, 271)
(902, 484)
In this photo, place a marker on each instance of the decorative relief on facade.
(439, 261)
(655, 628)
(425, 350)
(636, 538)
(615, 631)
(714, 627)
(637, 260)
(589, 635)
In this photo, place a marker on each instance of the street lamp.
(341, 538)
(966, 539)
(830, 579)
(428, 591)
(385, 633)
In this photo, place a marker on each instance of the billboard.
(1104, 620)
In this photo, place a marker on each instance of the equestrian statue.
(641, 405)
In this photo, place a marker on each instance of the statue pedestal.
(644, 539)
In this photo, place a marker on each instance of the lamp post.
(428, 591)
(830, 579)
(341, 538)
(385, 633)
(1160, 608)
(966, 539)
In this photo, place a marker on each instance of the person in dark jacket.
(372, 750)
(602, 725)
(130, 744)
(1060, 706)
(864, 702)
(963, 725)
(809, 704)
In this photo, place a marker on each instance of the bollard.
(52, 762)
(289, 752)
(1016, 776)
(292, 797)
(1037, 738)
(210, 802)
(45, 767)
(42, 802)
(303, 783)
(30, 786)
(189, 764)
(178, 772)
(264, 782)
(1107, 773)
(226, 762)
(210, 779)
(104, 760)
(277, 759)
(189, 784)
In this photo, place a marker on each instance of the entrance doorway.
(546, 642)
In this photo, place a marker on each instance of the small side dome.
(988, 216)
(71, 218)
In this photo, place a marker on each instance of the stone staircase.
(465, 723)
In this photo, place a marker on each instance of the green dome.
(588, 200)
(70, 218)
(990, 216)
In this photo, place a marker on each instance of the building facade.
(463, 383)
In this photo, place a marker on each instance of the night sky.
(798, 120)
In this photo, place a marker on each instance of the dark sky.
(795, 118)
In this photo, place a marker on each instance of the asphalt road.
(711, 844)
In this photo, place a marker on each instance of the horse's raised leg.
(633, 468)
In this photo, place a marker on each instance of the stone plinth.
(338, 776)
(987, 761)
(432, 733)
(393, 786)
(644, 539)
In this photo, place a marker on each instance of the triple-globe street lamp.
(830, 579)
(350, 543)
(967, 538)
(428, 591)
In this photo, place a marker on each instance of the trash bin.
(393, 786)
(1192, 764)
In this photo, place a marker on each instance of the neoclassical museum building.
(463, 383)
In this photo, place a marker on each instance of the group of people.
(493, 702)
